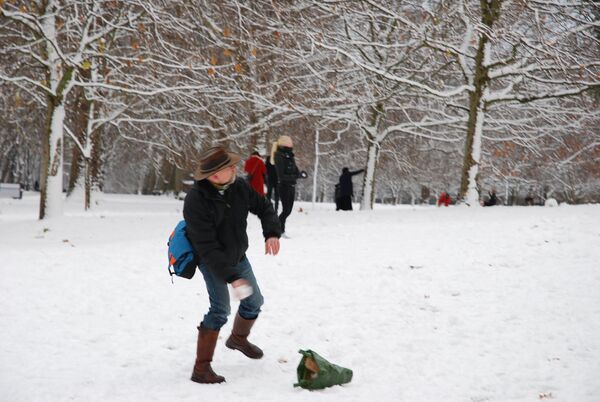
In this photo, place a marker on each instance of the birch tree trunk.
(316, 168)
(60, 81)
(51, 175)
(89, 146)
(369, 180)
(469, 190)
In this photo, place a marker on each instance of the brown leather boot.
(239, 338)
(203, 373)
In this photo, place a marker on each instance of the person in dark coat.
(272, 193)
(256, 170)
(492, 199)
(216, 212)
(282, 156)
(336, 196)
(530, 197)
(346, 190)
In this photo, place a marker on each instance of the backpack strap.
(171, 273)
(171, 259)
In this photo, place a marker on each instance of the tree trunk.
(374, 139)
(91, 162)
(92, 169)
(60, 80)
(369, 178)
(51, 176)
(315, 168)
(77, 166)
(93, 146)
(469, 191)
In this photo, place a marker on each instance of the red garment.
(444, 199)
(256, 169)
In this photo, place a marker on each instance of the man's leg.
(218, 296)
(208, 331)
(246, 316)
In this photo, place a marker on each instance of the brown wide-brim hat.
(214, 159)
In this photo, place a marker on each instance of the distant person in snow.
(529, 198)
(492, 199)
(346, 190)
(272, 193)
(282, 156)
(444, 199)
(216, 212)
(255, 169)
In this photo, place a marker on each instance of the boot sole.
(233, 347)
(199, 381)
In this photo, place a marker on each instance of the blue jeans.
(218, 295)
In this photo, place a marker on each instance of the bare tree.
(514, 52)
(56, 41)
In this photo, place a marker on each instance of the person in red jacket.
(256, 170)
(444, 199)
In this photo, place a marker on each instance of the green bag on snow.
(314, 372)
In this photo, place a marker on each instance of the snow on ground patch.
(422, 303)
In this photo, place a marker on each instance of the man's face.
(223, 176)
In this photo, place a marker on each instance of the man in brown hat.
(216, 210)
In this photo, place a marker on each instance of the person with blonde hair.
(282, 156)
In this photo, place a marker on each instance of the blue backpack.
(182, 257)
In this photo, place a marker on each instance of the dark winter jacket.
(346, 188)
(216, 224)
(493, 200)
(271, 173)
(285, 164)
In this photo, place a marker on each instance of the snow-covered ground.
(422, 303)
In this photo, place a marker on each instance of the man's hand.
(272, 246)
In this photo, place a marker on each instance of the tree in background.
(410, 90)
(54, 43)
(526, 52)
